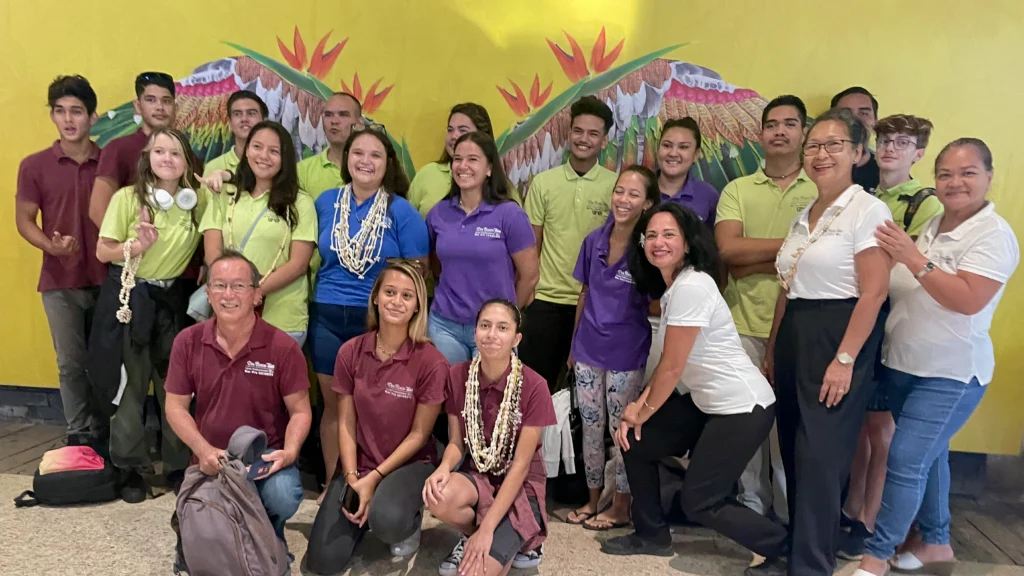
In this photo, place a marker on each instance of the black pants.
(817, 443)
(396, 512)
(720, 448)
(547, 337)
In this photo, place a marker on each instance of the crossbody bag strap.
(245, 239)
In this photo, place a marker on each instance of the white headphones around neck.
(186, 198)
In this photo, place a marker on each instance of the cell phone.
(259, 468)
(350, 500)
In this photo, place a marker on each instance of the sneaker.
(408, 546)
(770, 567)
(134, 489)
(632, 544)
(529, 560)
(851, 547)
(450, 565)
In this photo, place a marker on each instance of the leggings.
(603, 396)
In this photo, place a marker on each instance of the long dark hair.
(653, 193)
(478, 115)
(284, 188)
(701, 255)
(146, 177)
(395, 181)
(495, 188)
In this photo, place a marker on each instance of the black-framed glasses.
(899, 142)
(832, 147)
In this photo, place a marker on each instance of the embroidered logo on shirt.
(259, 368)
(488, 232)
(624, 276)
(398, 391)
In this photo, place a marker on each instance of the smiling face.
(264, 154)
(396, 299)
(961, 180)
(156, 106)
(677, 151)
(367, 161)
(897, 152)
(470, 167)
(458, 125)
(341, 114)
(230, 290)
(496, 332)
(664, 243)
(587, 137)
(629, 197)
(167, 159)
(71, 118)
(829, 155)
(783, 131)
(244, 114)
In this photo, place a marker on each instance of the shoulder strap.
(913, 203)
(245, 239)
(26, 499)
(247, 444)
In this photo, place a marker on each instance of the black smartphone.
(350, 500)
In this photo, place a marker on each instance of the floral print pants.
(602, 396)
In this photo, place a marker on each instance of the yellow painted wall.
(943, 59)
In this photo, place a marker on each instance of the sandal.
(581, 517)
(588, 524)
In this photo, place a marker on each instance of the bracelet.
(350, 472)
(649, 407)
(379, 472)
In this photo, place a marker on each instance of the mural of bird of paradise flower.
(643, 94)
(294, 91)
(517, 101)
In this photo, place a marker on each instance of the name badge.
(484, 232)
(259, 368)
(398, 391)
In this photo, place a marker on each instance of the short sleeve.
(28, 187)
(456, 388)
(305, 229)
(118, 219)
(294, 376)
(213, 218)
(995, 255)
(432, 384)
(345, 368)
(518, 232)
(514, 195)
(930, 208)
(729, 204)
(538, 409)
(179, 381)
(205, 199)
(417, 189)
(413, 240)
(109, 166)
(689, 304)
(875, 215)
(582, 271)
(431, 222)
(535, 206)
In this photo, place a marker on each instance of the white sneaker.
(529, 560)
(450, 565)
(408, 546)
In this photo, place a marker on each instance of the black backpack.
(913, 203)
(73, 487)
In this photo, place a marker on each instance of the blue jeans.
(455, 341)
(928, 412)
(281, 494)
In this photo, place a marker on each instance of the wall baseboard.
(31, 404)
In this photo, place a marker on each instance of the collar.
(842, 202)
(604, 237)
(261, 337)
(908, 188)
(444, 168)
(500, 382)
(94, 152)
(231, 154)
(571, 174)
(960, 231)
(761, 178)
(368, 346)
(685, 191)
(483, 208)
(324, 162)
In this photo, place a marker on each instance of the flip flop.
(581, 517)
(588, 525)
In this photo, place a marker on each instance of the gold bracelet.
(351, 472)
(649, 407)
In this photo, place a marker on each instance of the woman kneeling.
(390, 384)
(497, 408)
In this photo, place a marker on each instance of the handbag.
(572, 488)
(199, 302)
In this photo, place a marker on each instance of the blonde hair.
(146, 177)
(418, 322)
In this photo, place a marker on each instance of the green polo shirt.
(766, 211)
(227, 161)
(928, 209)
(317, 174)
(569, 207)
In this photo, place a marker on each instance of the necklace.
(382, 350)
(359, 253)
(131, 267)
(495, 457)
(783, 177)
(785, 279)
(230, 218)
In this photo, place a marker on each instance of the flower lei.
(496, 457)
(359, 253)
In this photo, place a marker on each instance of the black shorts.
(507, 542)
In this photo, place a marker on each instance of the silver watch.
(844, 359)
(928, 267)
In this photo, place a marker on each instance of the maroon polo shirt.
(61, 188)
(534, 403)
(248, 390)
(120, 160)
(386, 394)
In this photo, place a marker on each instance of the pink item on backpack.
(70, 458)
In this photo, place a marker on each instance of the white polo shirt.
(719, 374)
(927, 340)
(826, 270)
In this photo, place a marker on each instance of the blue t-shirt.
(405, 236)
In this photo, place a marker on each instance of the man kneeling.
(243, 372)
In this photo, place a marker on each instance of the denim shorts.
(330, 326)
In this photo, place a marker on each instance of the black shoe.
(134, 489)
(851, 547)
(770, 567)
(77, 440)
(845, 522)
(174, 480)
(633, 544)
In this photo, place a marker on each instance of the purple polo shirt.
(614, 333)
(475, 252)
(698, 196)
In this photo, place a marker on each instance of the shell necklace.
(496, 457)
(786, 278)
(359, 253)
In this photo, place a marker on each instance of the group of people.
(827, 305)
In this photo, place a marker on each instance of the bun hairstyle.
(517, 314)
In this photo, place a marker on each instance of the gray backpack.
(223, 528)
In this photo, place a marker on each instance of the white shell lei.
(496, 457)
(359, 253)
(785, 279)
(131, 267)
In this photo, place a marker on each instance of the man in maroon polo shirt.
(243, 372)
(57, 182)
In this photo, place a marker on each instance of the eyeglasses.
(832, 147)
(900, 143)
(236, 287)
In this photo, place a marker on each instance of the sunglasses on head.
(153, 76)
(375, 126)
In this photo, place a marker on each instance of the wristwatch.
(844, 359)
(928, 267)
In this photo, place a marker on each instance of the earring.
(642, 239)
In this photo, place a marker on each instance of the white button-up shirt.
(826, 270)
(927, 340)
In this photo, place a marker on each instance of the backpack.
(222, 526)
(71, 475)
(913, 203)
